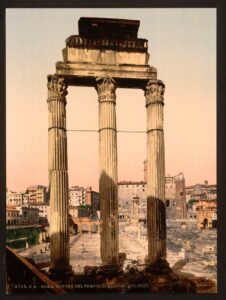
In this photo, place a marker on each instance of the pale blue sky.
(182, 46)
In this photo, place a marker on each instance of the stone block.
(106, 57)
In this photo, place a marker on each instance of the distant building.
(14, 198)
(192, 209)
(26, 199)
(207, 214)
(80, 197)
(175, 196)
(128, 191)
(77, 196)
(84, 212)
(12, 215)
(92, 199)
(37, 194)
(21, 215)
(28, 215)
(44, 213)
(131, 192)
(201, 191)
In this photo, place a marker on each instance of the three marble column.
(108, 189)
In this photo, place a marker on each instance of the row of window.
(12, 214)
(13, 222)
(137, 185)
(12, 199)
(16, 196)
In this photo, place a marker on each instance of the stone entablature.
(115, 53)
(84, 73)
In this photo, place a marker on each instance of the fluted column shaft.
(108, 188)
(156, 216)
(58, 175)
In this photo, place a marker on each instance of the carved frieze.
(129, 45)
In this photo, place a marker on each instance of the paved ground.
(85, 251)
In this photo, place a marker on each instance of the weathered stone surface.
(85, 74)
(105, 57)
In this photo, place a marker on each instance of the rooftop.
(124, 182)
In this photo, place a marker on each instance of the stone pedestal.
(58, 177)
(108, 188)
(156, 218)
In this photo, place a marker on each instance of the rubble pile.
(94, 279)
(199, 246)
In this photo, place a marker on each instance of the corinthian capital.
(106, 87)
(154, 92)
(56, 87)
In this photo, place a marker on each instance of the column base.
(60, 272)
(110, 270)
(159, 267)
